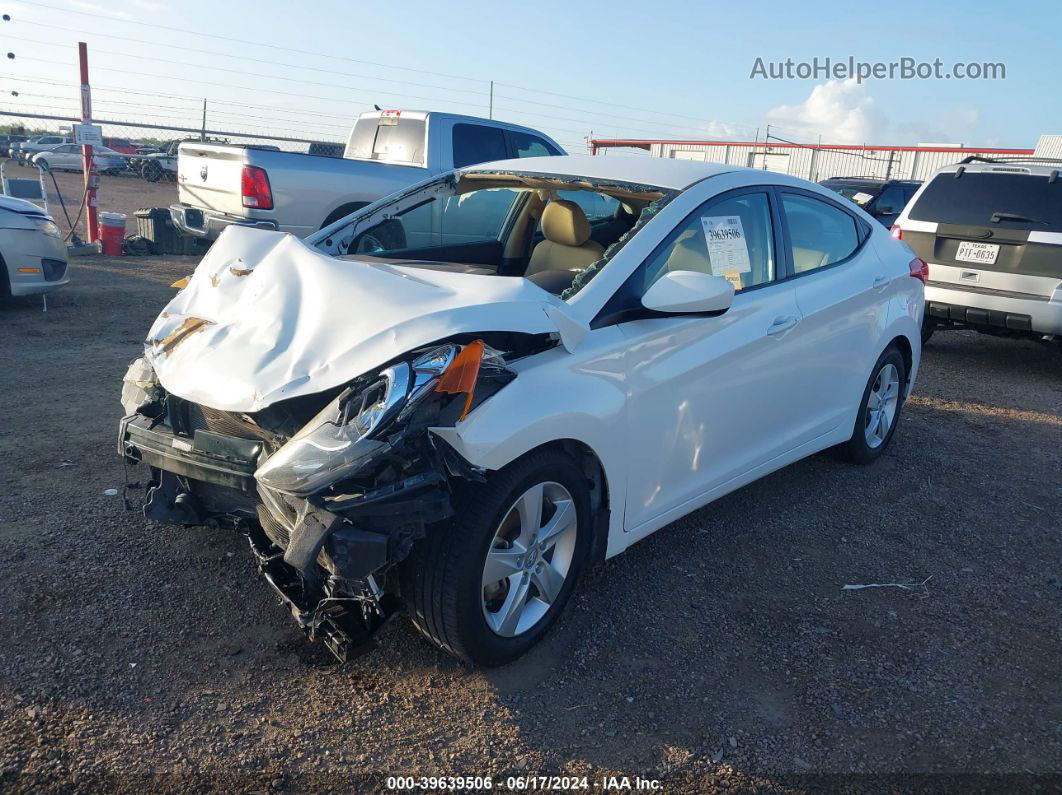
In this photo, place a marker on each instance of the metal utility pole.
(490, 114)
(202, 135)
(91, 178)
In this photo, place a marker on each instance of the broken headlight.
(343, 436)
(139, 387)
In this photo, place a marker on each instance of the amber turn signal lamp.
(460, 377)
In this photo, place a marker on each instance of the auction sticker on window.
(727, 249)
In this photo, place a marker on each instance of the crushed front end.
(332, 490)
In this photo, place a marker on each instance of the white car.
(459, 396)
(32, 251)
(68, 157)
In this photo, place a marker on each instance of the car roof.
(656, 171)
(1031, 166)
(872, 181)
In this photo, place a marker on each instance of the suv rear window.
(971, 199)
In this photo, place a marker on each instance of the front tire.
(489, 583)
(879, 410)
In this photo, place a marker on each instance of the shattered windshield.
(555, 231)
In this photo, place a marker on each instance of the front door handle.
(880, 282)
(783, 323)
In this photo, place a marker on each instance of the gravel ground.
(125, 194)
(720, 652)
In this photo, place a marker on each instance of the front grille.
(224, 422)
(276, 532)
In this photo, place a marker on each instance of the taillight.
(896, 231)
(919, 269)
(254, 185)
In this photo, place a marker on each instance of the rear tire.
(445, 580)
(879, 410)
(5, 284)
(928, 327)
(152, 172)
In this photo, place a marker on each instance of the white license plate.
(982, 253)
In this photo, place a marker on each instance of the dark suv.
(882, 198)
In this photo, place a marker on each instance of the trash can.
(156, 225)
(112, 232)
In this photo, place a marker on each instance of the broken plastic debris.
(110, 492)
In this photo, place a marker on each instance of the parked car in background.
(158, 165)
(7, 141)
(882, 198)
(69, 157)
(44, 143)
(121, 145)
(463, 421)
(222, 185)
(32, 251)
(991, 231)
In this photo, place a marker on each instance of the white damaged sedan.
(455, 399)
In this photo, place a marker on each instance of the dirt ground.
(721, 652)
(123, 194)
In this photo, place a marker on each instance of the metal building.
(814, 161)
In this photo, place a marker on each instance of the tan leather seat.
(567, 245)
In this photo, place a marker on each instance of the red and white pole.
(91, 178)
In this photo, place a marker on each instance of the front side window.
(730, 237)
(477, 143)
(443, 221)
(819, 233)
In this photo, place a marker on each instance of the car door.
(706, 394)
(56, 157)
(842, 290)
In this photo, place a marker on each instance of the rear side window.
(527, 145)
(891, 200)
(819, 233)
(597, 206)
(992, 199)
(477, 143)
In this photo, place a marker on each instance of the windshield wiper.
(997, 217)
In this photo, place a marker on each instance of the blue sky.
(623, 69)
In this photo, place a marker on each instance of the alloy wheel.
(882, 404)
(529, 559)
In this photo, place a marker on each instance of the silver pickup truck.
(223, 184)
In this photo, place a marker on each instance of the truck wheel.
(152, 172)
(486, 585)
(342, 212)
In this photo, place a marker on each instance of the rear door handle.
(783, 323)
(880, 282)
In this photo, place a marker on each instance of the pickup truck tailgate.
(208, 177)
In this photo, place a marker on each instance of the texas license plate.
(981, 253)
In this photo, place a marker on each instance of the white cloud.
(149, 5)
(841, 112)
(95, 8)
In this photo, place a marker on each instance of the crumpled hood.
(265, 318)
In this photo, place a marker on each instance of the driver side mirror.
(681, 292)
